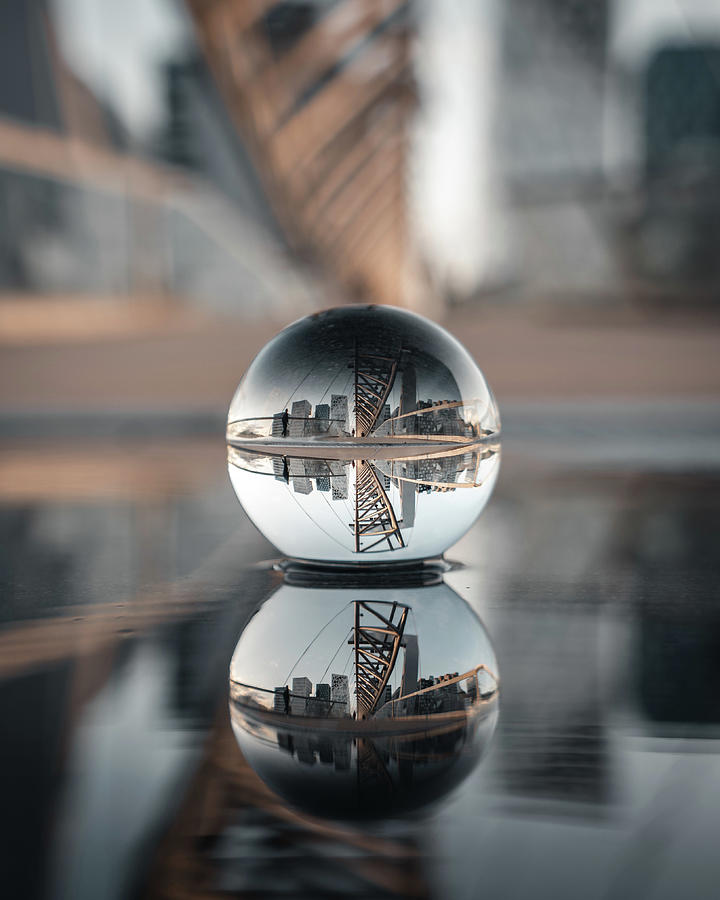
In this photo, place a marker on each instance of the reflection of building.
(302, 485)
(331, 751)
(281, 469)
(304, 752)
(437, 473)
(407, 501)
(328, 473)
(340, 695)
(339, 487)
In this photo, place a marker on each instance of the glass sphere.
(353, 703)
(363, 434)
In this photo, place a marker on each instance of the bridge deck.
(360, 448)
(405, 725)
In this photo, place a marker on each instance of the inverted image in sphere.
(362, 703)
(363, 435)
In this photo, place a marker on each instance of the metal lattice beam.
(375, 520)
(309, 113)
(374, 379)
(376, 644)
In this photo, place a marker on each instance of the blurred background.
(181, 179)
(178, 181)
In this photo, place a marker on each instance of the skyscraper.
(410, 672)
(340, 487)
(319, 705)
(301, 688)
(322, 691)
(339, 411)
(279, 700)
(340, 695)
(277, 425)
(301, 409)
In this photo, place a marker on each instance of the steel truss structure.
(375, 519)
(374, 378)
(376, 644)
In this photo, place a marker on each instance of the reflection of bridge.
(378, 632)
(471, 679)
(376, 647)
(377, 635)
(418, 724)
(374, 513)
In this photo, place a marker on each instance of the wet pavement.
(129, 572)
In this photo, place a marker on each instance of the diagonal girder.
(376, 642)
(374, 379)
(375, 519)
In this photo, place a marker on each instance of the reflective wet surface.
(127, 588)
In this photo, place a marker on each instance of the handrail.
(445, 404)
(253, 687)
(434, 687)
(272, 419)
(454, 680)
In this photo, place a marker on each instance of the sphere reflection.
(363, 703)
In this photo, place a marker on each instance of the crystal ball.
(363, 703)
(363, 434)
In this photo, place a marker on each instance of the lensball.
(363, 434)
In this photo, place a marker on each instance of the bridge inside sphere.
(374, 379)
(377, 637)
(375, 521)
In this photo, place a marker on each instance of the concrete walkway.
(525, 356)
